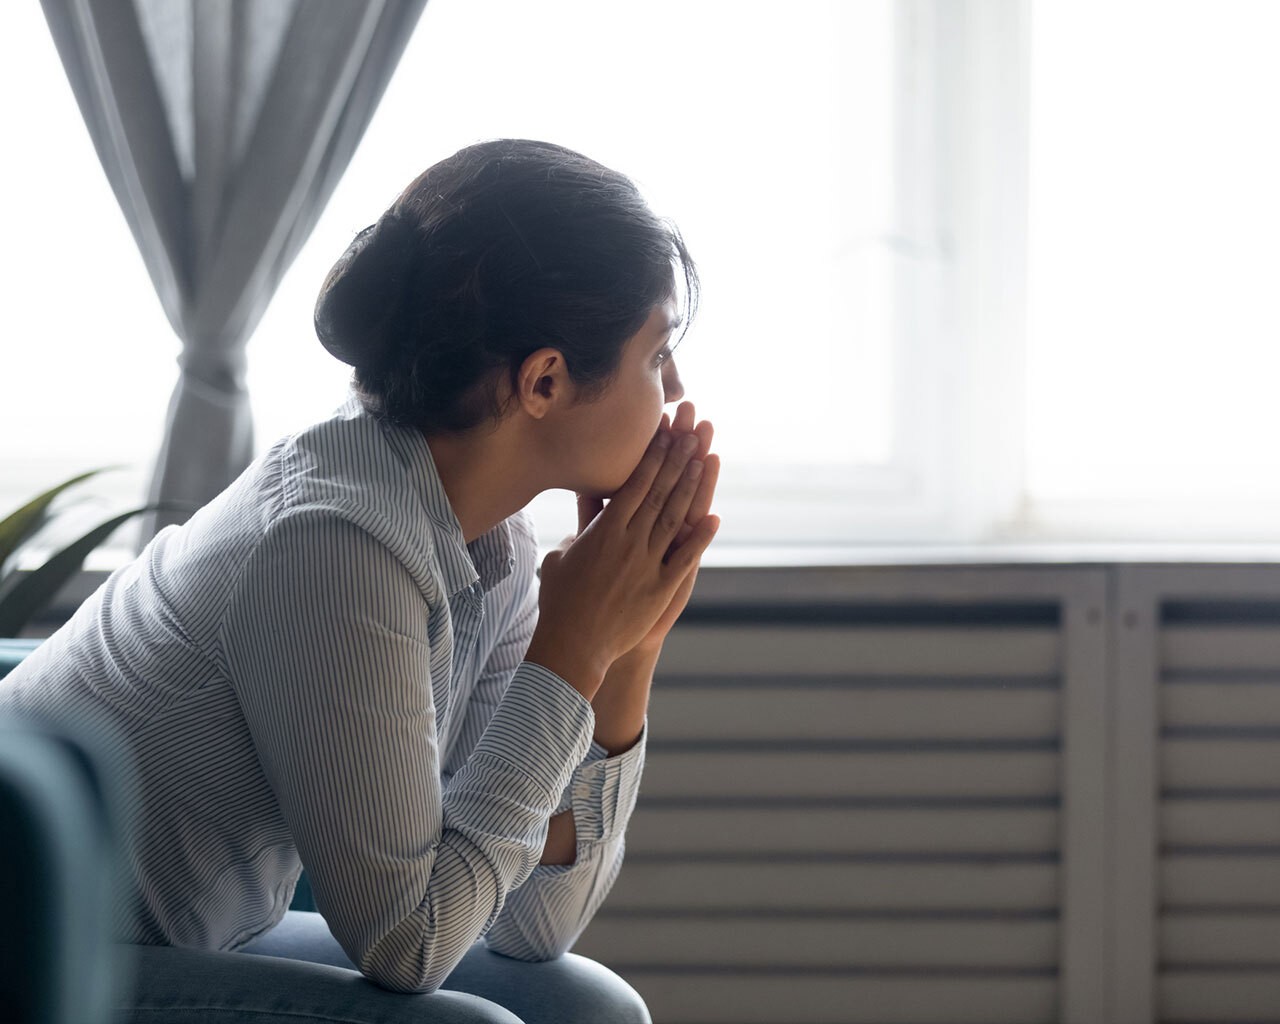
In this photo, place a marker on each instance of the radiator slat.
(1220, 763)
(795, 650)
(847, 830)
(1216, 880)
(774, 942)
(792, 711)
(1245, 938)
(679, 887)
(1218, 647)
(838, 775)
(1233, 997)
(801, 999)
(1220, 704)
(1224, 822)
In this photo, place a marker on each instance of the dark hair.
(499, 250)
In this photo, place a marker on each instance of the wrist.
(643, 656)
(581, 672)
(622, 701)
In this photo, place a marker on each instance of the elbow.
(533, 953)
(403, 978)
(424, 975)
(532, 945)
(413, 964)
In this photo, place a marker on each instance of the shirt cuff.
(542, 726)
(602, 791)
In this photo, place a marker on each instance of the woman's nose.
(672, 389)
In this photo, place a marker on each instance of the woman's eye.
(664, 355)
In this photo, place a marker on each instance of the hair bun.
(358, 311)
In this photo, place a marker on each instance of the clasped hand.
(622, 582)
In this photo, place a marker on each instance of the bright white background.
(767, 133)
(1153, 321)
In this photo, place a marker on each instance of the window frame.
(956, 470)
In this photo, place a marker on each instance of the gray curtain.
(223, 127)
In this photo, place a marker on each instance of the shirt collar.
(488, 559)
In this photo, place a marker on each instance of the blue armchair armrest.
(13, 651)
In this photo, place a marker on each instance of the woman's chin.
(606, 484)
(602, 490)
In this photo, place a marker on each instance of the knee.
(593, 994)
(570, 989)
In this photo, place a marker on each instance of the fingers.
(658, 489)
(684, 424)
(628, 498)
(687, 556)
(701, 504)
(684, 418)
(676, 510)
(655, 501)
(551, 561)
(588, 508)
(705, 432)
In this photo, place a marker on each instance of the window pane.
(1154, 331)
(764, 132)
(86, 355)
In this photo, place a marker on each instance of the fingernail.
(694, 469)
(688, 443)
(663, 440)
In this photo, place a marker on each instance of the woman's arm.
(613, 586)
(585, 844)
(332, 658)
(543, 917)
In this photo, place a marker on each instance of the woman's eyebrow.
(672, 324)
(664, 338)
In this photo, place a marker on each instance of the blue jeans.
(298, 974)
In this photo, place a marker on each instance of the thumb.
(588, 509)
(552, 558)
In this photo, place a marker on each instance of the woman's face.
(610, 434)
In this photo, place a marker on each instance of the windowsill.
(997, 554)
(756, 556)
(725, 561)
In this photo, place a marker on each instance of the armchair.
(56, 880)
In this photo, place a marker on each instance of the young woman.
(345, 661)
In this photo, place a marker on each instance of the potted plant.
(25, 594)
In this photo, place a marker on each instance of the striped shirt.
(317, 670)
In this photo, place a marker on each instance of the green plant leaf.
(29, 593)
(22, 523)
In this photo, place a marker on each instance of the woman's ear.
(543, 382)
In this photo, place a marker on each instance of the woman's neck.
(485, 475)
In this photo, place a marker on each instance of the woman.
(344, 661)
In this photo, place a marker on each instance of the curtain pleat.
(223, 127)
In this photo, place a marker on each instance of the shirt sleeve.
(546, 914)
(544, 917)
(325, 640)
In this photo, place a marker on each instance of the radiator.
(960, 794)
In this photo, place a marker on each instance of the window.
(86, 354)
(1154, 334)
(954, 289)
(767, 136)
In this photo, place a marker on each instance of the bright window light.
(765, 132)
(86, 354)
(1154, 332)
